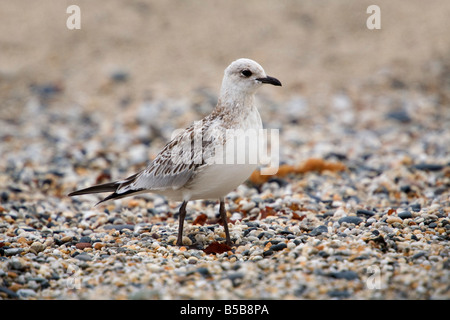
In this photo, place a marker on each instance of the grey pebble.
(428, 167)
(399, 115)
(432, 225)
(15, 264)
(351, 219)
(4, 196)
(252, 224)
(339, 294)
(318, 230)
(278, 246)
(119, 76)
(204, 271)
(145, 294)
(12, 251)
(85, 240)
(406, 188)
(26, 293)
(364, 212)
(345, 274)
(323, 254)
(235, 278)
(83, 257)
(419, 255)
(300, 290)
(446, 264)
(405, 215)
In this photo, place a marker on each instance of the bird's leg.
(223, 216)
(182, 215)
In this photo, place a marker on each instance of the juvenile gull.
(183, 174)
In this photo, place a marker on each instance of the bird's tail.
(109, 187)
(106, 187)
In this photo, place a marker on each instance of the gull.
(182, 173)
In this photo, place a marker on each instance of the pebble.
(405, 215)
(429, 166)
(419, 255)
(351, 219)
(340, 294)
(83, 245)
(12, 251)
(66, 239)
(318, 230)
(278, 246)
(364, 212)
(392, 220)
(247, 205)
(26, 293)
(203, 271)
(37, 247)
(83, 257)
(400, 115)
(98, 245)
(119, 76)
(345, 274)
(192, 260)
(85, 240)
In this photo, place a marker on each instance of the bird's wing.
(174, 167)
(178, 161)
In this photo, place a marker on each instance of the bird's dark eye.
(246, 73)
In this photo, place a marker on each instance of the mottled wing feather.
(178, 161)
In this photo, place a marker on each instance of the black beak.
(271, 80)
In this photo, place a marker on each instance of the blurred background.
(136, 70)
(172, 47)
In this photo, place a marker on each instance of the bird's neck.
(236, 102)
